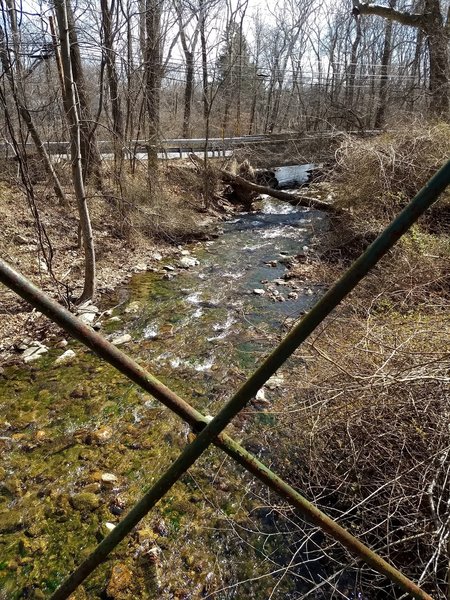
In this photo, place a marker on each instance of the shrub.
(168, 215)
(364, 434)
(375, 177)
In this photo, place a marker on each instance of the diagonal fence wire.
(213, 431)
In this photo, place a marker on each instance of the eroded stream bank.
(80, 443)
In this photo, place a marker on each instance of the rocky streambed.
(80, 443)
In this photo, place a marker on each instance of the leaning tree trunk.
(247, 192)
(73, 119)
(19, 99)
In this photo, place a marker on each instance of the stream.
(80, 443)
(235, 290)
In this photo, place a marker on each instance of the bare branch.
(405, 18)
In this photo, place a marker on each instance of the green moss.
(85, 502)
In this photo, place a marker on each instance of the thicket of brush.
(365, 431)
(375, 177)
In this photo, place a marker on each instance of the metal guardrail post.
(291, 342)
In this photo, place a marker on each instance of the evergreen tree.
(236, 73)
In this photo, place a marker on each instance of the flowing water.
(217, 306)
(201, 330)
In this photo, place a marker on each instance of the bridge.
(180, 147)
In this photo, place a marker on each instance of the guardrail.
(181, 146)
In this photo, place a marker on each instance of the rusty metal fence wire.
(211, 430)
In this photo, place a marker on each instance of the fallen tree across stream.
(243, 185)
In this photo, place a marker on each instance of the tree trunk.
(90, 156)
(226, 113)
(385, 60)
(439, 73)
(189, 58)
(205, 88)
(432, 23)
(353, 64)
(237, 129)
(113, 82)
(296, 199)
(153, 88)
(71, 94)
(19, 99)
(188, 92)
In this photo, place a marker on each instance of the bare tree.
(71, 93)
(188, 50)
(14, 72)
(90, 156)
(385, 60)
(350, 90)
(113, 79)
(153, 75)
(437, 28)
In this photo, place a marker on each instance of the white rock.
(61, 344)
(109, 526)
(259, 292)
(87, 317)
(122, 339)
(186, 262)
(43, 266)
(34, 352)
(38, 344)
(275, 381)
(156, 256)
(108, 478)
(139, 268)
(65, 357)
(84, 305)
(114, 320)
(87, 312)
(87, 307)
(261, 395)
(184, 252)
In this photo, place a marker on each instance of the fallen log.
(298, 200)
